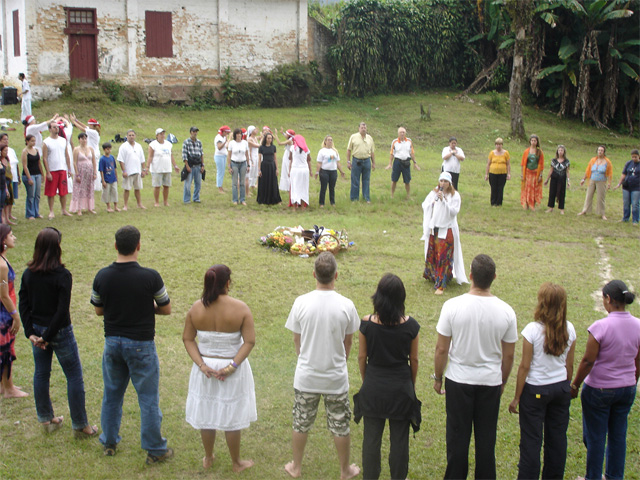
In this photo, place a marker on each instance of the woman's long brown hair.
(551, 311)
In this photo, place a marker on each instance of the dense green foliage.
(398, 45)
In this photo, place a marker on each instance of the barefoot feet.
(208, 461)
(14, 392)
(352, 471)
(242, 465)
(292, 470)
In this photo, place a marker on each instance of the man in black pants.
(481, 331)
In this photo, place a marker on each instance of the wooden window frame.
(159, 43)
(16, 33)
(80, 28)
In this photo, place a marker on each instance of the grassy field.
(181, 242)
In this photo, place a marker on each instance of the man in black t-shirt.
(129, 296)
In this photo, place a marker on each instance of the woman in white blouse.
(237, 160)
(443, 253)
(328, 165)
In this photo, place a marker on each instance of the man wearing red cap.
(57, 165)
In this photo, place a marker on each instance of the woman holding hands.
(221, 389)
(532, 168)
(498, 172)
(600, 174)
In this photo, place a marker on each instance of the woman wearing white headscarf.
(299, 172)
(443, 253)
(254, 144)
(284, 171)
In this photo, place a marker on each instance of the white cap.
(159, 130)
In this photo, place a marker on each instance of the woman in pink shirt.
(610, 369)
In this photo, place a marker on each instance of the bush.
(290, 84)
(494, 102)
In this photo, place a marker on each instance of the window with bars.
(81, 18)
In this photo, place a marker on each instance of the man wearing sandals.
(129, 296)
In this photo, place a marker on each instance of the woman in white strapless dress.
(221, 389)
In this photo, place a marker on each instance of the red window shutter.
(158, 26)
(16, 34)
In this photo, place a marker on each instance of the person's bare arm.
(362, 354)
(523, 371)
(296, 342)
(569, 361)
(586, 364)
(508, 353)
(164, 309)
(413, 359)
(440, 361)
(99, 311)
(348, 340)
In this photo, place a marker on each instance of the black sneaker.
(109, 450)
(151, 459)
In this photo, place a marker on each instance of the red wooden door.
(83, 57)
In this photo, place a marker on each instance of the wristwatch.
(433, 377)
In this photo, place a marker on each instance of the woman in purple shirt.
(611, 365)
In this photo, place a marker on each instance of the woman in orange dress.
(532, 169)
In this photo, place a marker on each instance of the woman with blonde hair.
(328, 165)
(600, 174)
(221, 389)
(542, 387)
(532, 168)
(443, 253)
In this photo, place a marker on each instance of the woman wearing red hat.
(221, 141)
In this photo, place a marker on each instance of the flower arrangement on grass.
(301, 242)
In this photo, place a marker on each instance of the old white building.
(160, 46)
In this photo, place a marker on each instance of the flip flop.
(81, 434)
(54, 424)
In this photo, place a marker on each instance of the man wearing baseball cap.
(193, 158)
(159, 161)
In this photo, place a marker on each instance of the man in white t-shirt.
(323, 323)
(57, 166)
(477, 332)
(160, 161)
(452, 155)
(400, 159)
(131, 160)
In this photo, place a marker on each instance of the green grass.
(182, 241)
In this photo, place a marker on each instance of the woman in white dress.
(284, 170)
(221, 390)
(443, 253)
(299, 172)
(252, 174)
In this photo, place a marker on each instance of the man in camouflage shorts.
(323, 323)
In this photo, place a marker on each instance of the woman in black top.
(559, 175)
(388, 360)
(31, 177)
(268, 192)
(45, 294)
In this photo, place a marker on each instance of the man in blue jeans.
(129, 296)
(193, 158)
(362, 148)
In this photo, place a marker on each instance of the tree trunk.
(515, 85)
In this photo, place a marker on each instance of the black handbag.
(184, 174)
(204, 174)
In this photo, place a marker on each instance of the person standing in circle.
(362, 148)
(532, 168)
(400, 159)
(452, 156)
(25, 97)
(498, 172)
(328, 165)
(559, 175)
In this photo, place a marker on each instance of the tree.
(521, 13)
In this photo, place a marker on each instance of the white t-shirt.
(36, 130)
(26, 88)
(161, 162)
(56, 149)
(477, 325)
(132, 157)
(546, 369)
(452, 164)
(93, 141)
(238, 150)
(329, 159)
(14, 162)
(223, 140)
(323, 318)
(402, 150)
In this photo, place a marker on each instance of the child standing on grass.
(109, 176)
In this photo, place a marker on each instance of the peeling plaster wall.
(208, 36)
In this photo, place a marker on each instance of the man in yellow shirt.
(362, 148)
